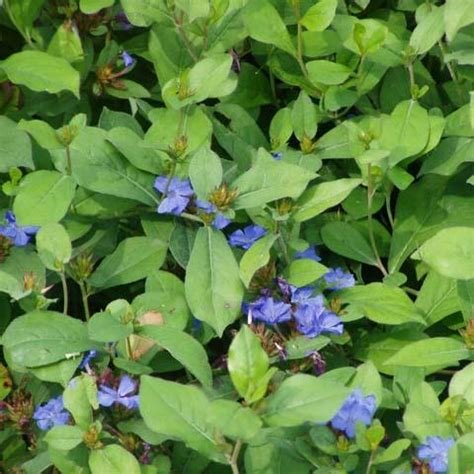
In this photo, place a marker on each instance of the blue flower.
(356, 408)
(312, 318)
(220, 221)
(435, 452)
(127, 59)
(309, 253)
(337, 279)
(20, 235)
(269, 311)
(247, 237)
(123, 395)
(301, 295)
(51, 414)
(86, 360)
(277, 155)
(176, 192)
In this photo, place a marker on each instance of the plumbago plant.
(237, 236)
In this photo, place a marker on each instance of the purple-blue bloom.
(309, 253)
(86, 360)
(219, 221)
(127, 59)
(337, 279)
(356, 408)
(246, 237)
(20, 235)
(176, 192)
(51, 413)
(435, 452)
(312, 318)
(301, 295)
(269, 311)
(123, 395)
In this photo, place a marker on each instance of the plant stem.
(388, 207)
(69, 161)
(65, 292)
(411, 75)
(188, 45)
(235, 457)
(284, 250)
(191, 217)
(371, 460)
(370, 195)
(85, 300)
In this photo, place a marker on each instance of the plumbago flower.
(51, 413)
(86, 360)
(434, 451)
(19, 235)
(123, 395)
(338, 279)
(219, 221)
(128, 60)
(310, 253)
(356, 408)
(313, 319)
(176, 192)
(246, 237)
(269, 311)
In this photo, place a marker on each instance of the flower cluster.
(435, 452)
(123, 395)
(19, 235)
(356, 409)
(178, 194)
(51, 413)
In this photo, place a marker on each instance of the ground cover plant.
(236, 236)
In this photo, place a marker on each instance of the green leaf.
(134, 258)
(303, 117)
(15, 146)
(302, 398)
(114, 324)
(459, 123)
(269, 180)
(60, 372)
(439, 351)
(113, 458)
(64, 438)
(165, 130)
(457, 15)
(368, 380)
(437, 298)
(320, 197)
(406, 132)
(393, 452)
(44, 197)
(465, 290)
(213, 288)
(42, 132)
(66, 43)
(19, 263)
(424, 421)
(194, 8)
(24, 13)
(428, 31)
(233, 420)
(304, 271)
(327, 72)
(42, 337)
(319, 16)
(129, 143)
(382, 304)
(264, 24)
(41, 72)
(205, 172)
(346, 240)
(184, 348)
(93, 6)
(450, 252)
(461, 455)
(54, 246)
(80, 397)
(97, 166)
(462, 383)
(281, 127)
(248, 363)
(143, 12)
(256, 257)
(179, 411)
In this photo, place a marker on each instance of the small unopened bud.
(29, 281)
(222, 197)
(82, 267)
(306, 145)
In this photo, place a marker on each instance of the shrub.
(238, 236)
